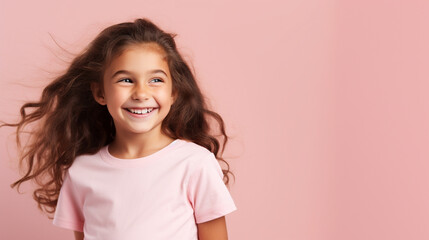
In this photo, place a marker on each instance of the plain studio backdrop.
(326, 103)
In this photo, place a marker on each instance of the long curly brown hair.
(69, 122)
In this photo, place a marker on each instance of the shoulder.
(85, 161)
(193, 147)
(200, 159)
(193, 151)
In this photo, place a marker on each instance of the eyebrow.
(128, 72)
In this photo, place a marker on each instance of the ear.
(174, 97)
(98, 93)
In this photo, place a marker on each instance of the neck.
(128, 145)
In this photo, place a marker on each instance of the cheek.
(168, 99)
(115, 97)
(169, 95)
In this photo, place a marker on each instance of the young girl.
(123, 147)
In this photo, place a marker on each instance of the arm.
(213, 230)
(78, 235)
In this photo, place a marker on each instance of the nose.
(140, 92)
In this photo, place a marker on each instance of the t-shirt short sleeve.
(208, 193)
(68, 213)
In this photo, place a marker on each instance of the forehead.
(139, 57)
(148, 46)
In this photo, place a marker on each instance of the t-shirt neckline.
(133, 162)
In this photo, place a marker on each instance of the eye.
(127, 80)
(156, 80)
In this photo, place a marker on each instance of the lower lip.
(145, 115)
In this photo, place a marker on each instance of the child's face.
(138, 90)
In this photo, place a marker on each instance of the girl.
(122, 147)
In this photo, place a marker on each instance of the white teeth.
(140, 111)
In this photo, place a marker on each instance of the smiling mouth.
(140, 111)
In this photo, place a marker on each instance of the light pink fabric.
(161, 196)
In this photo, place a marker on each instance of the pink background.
(326, 101)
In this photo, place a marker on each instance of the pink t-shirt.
(160, 196)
